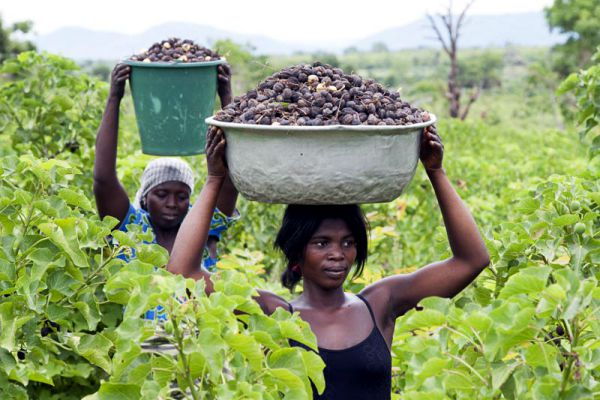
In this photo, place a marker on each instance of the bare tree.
(451, 26)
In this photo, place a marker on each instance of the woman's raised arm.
(111, 197)
(186, 256)
(469, 255)
(228, 195)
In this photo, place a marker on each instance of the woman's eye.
(348, 243)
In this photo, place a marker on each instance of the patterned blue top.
(136, 216)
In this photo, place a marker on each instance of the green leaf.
(564, 220)
(265, 339)
(212, 346)
(139, 373)
(76, 199)
(124, 239)
(89, 310)
(314, 366)
(424, 319)
(118, 391)
(528, 206)
(530, 280)
(163, 369)
(432, 367)
(458, 380)
(501, 372)
(289, 380)
(152, 254)
(63, 234)
(8, 326)
(248, 347)
(543, 355)
(94, 348)
(197, 365)
(568, 84)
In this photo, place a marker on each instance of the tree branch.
(438, 34)
(472, 98)
(461, 18)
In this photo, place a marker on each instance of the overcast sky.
(285, 20)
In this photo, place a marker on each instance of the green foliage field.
(528, 328)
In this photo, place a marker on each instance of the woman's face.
(168, 204)
(329, 255)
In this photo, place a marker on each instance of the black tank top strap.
(369, 307)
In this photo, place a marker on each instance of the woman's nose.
(336, 252)
(171, 201)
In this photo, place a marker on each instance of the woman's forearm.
(106, 142)
(464, 237)
(111, 197)
(227, 197)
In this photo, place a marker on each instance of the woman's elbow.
(482, 261)
(477, 262)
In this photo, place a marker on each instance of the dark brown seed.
(318, 95)
(347, 119)
(287, 94)
(373, 120)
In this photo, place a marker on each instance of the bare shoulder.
(269, 302)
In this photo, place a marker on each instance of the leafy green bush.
(586, 87)
(70, 311)
(529, 327)
(49, 108)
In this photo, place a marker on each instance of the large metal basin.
(336, 164)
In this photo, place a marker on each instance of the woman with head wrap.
(163, 199)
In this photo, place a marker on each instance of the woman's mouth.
(335, 272)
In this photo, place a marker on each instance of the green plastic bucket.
(171, 102)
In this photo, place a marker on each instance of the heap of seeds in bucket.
(318, 94)
(176, 50)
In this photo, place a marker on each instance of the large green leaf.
(530, 280)
(118, 391)
(95, 349)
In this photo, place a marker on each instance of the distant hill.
(524, 29)
(527, 29)
(81, 43)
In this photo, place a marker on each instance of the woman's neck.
(316, 297)
(165, 238)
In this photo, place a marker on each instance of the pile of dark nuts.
(176, 50)
(319, 94)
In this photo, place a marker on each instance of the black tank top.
(360, 372)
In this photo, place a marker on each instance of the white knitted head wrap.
(163, 170)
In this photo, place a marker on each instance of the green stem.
(466, 364)
(89, 279)
(27, 221)
(574, 334)
(465, 337)
(184, 360)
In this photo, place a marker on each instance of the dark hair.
(299, 224)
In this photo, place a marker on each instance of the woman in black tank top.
(321, 244)
(362, 371)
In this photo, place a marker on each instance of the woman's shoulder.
(269, 302)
